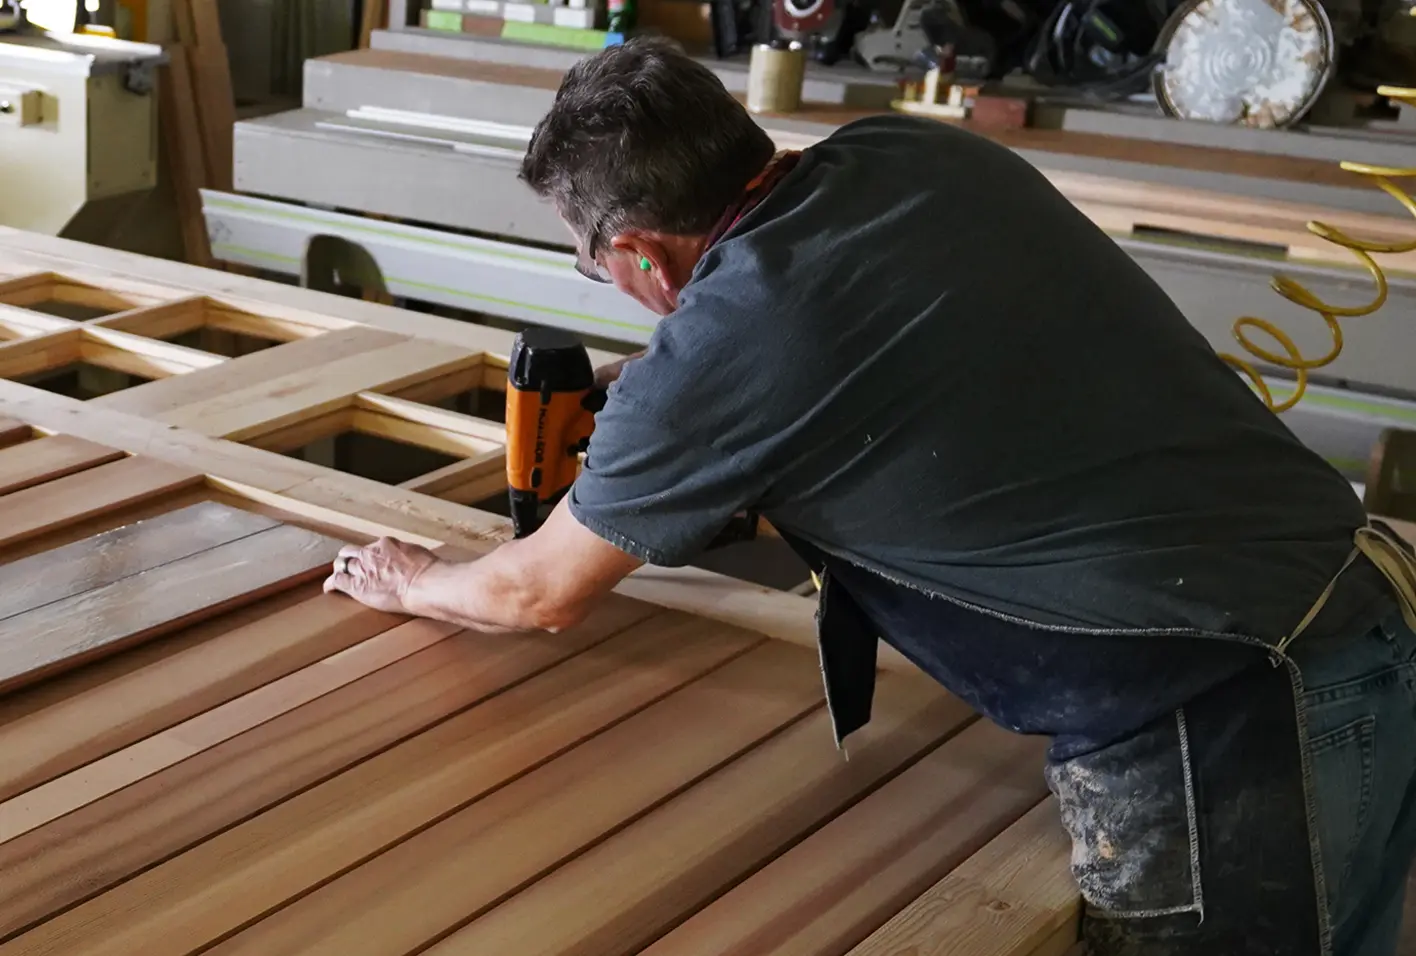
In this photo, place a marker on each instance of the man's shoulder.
(898, 133)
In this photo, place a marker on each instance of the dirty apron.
(1217, 789)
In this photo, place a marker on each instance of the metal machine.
(431, 155)
(78, 123)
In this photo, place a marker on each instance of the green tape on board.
(551, 35)
(449, 20)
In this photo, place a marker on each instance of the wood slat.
(281, 401)
(65, 501)
(1015, 897)
(427, 885)
(109, 557)
(90, 723)
(832, 890)
(475, 479)
(246, 871)
(108, 841)
(54, 693)
(622, 894)
(12, 431)
(63, 634)
(162, 397)
(44, 459)
(104, 776)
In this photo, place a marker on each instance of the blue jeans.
(1217, 830)
(1360, 703)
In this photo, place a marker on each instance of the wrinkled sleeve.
(653, 492)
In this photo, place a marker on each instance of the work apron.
(1183, 832)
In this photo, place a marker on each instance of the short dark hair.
(643, 136)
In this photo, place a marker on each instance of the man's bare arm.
(549, 580)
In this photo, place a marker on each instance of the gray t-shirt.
(919, 357)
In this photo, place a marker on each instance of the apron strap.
(1395, 563)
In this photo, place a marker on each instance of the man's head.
(642, 152)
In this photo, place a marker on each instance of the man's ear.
(642, 247)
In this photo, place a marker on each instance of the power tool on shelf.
(551, 401)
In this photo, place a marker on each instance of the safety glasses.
(587, 265)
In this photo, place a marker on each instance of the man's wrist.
(419, 595)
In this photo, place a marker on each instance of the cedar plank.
(102, 559)
(62, 635)
(89, 722)
(1016, 896)
(406, 897)
(58, 692)
(44, 459)
(836, 887)
(238, 875)
(12, 431)
(96, 780)
(154, 819)
(620, 895)
(65, 501)
(154, 399)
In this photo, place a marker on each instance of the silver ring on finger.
(341, 564)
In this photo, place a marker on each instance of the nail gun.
(551, 401)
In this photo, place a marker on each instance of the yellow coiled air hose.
(1291, 290)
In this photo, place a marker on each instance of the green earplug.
(644, 263)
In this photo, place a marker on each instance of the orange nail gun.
(551, 401)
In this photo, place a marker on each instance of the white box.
(582, 18)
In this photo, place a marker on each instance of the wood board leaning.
(202, 753)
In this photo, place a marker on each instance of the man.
(1007, 453)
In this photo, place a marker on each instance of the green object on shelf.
(551, 35)
(445, 20)
(622, 16)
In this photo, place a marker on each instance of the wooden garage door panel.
(107, 841)
(242, 873)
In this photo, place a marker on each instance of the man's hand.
(606, 374)
(547, 581)
(380, 574)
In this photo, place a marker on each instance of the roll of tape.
(774, 78)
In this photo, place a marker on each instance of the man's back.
(921, 358)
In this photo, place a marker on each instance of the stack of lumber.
(197, 118)
(203, 753)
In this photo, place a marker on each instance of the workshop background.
(368, 149)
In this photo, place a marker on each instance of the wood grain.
(93, 848)
(65, 501)
(280, 401)
(12, 431)
(43, 459)
(244, 872)
(54, 693)
(88, 724)
(304, 490)
(832, 890)
(445, 875)
(64, 634)
(1016, 896)
(104, 776)
(167, 395)
(622, 894)
(105, 558)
